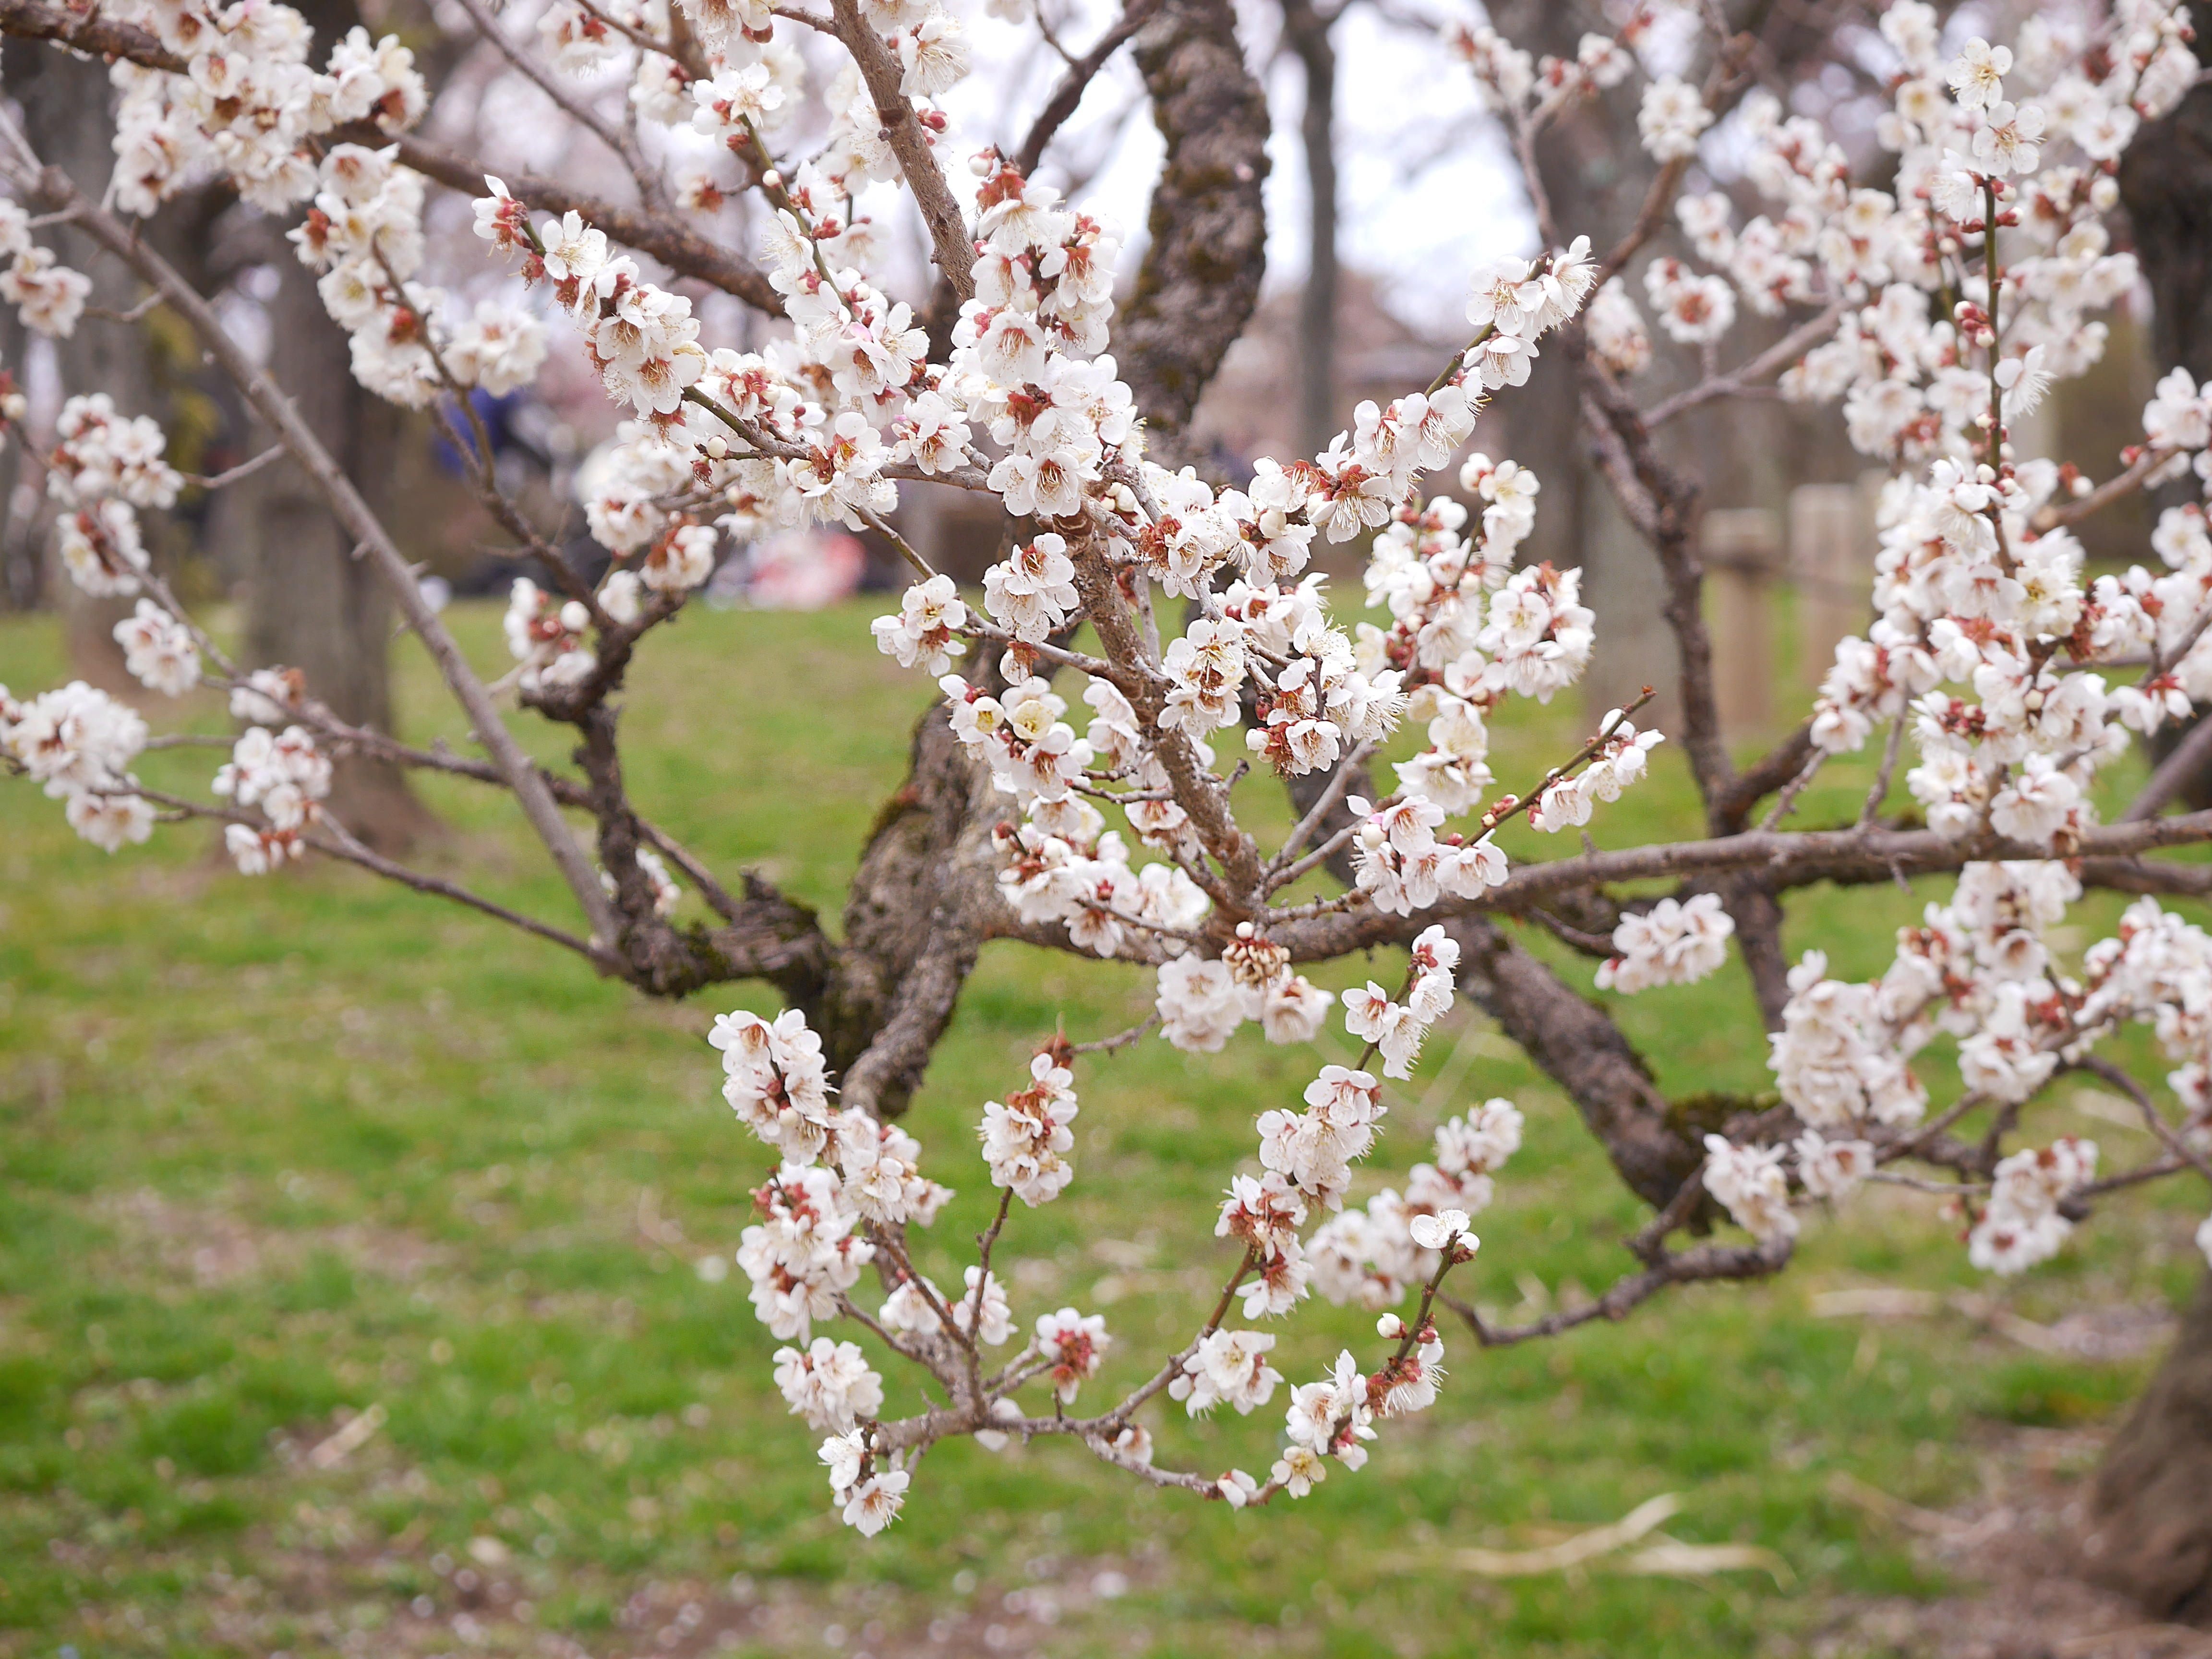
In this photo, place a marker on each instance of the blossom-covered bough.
(1148, 636)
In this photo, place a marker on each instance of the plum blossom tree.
(1187, 621)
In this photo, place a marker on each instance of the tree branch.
(955, 250)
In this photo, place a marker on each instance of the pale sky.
(1425, 187)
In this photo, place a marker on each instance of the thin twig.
(1780, 355)
(243, 470)
(1878, 792)
(544, 80)
(1081, 71)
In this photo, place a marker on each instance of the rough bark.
(2165, 186)
(2152, 1525)
(2151, 1534)
(1201, 276)
(913, 918)
(1305, 31)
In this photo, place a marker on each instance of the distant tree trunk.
(311, 604)
(1305, 29)
(64, 103)
(22, 561)
(2151, 1528)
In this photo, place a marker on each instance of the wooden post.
(1622, 583)
(1831, 550)
(1740, 547)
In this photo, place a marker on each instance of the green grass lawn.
(276, 1153)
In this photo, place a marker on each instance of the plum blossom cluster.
(1083, 878)
(285, 777)
(1377, 1254)
(848, 1190)
(1675, 942)
(1306, 1155)
(1980, 969)
(1531, 89)
(103, 468)
(251, 109)
(47, 294)
(160, 651)
(1202, 1002)
(1457, 652)
(248, 106)
(1979, 584)
(1751, 1183)
(364, 233)
(2024, 1223)
(548, 636)
(1026, 1136)
(78, 741)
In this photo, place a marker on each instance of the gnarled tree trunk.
(929, 869)
(2151, 1533)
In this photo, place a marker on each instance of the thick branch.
(1783, 860)
(921, 904)
(2174, 774)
